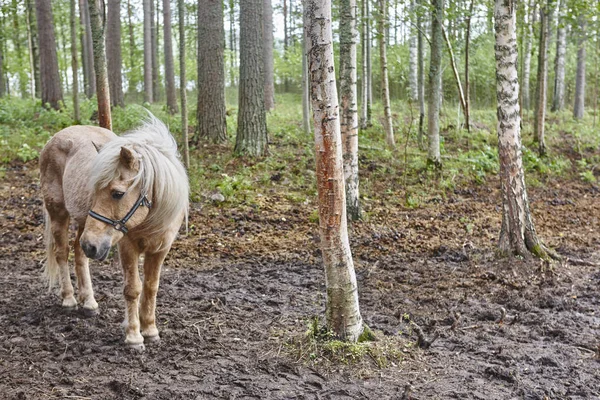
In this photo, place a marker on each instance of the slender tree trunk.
(252, 123)
(212, 125)
(2, 69)
(97, 13)
(558, 98)
(349, 109)
(517, 235)
(461, 95)
(420, 75)
(183, 83)
(305, 89)
(530, 14)
(154, 39)
(132, 81)
(148, 94)
(342, 310)
(268, 55)
(88, 51)
(412, 56)
(435, 85)
(542, 78)
(232, 47)
(580, 78)
(63, 23)
(364, 81)
(75, 69)
(467, 83)
(388, 125)
(169, 64)
(113, 52)
(18, 50)
(33, 48)
(50, 78)
(369, 38)
(286, 42)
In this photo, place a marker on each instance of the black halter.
(120, 224)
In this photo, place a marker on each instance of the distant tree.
(113, 52)
(580, 78)
(413, 57)
(154, 15)
(342, 309)
(558, 98)
(542, 79)
(97, 12)
(420, 73)
(2, 70)
(212, 125)
(148, 94)
(365, 79)
(251, 136)
(529, 21)
(268, 55)
(305, 83)
(34, 54)
(132, 82)
(16, 39)
(50, 78)
(349, 106)
(517, 235)
(183, 83)
(74, 66)
(435, 85)
(89, 76)
(388, 126)
(169, 65)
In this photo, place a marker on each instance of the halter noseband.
(120, 224)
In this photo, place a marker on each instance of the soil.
(242, 285)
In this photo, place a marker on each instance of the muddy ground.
(244, 283)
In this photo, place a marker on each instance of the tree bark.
(541, 85)
(183, 84)
(349, 109)
(420, 75)
(467, 83)
(434, 157)
(252, 124)
(50, 78)
(74, 67)
(18, 49)
(154, 13)
(232, 41)
(413, 58)
(527, 56)
(131, 87)
(169, 64)
(364, 80)
(113, 52)
(148, 95)
(98, 23)
(2, 70)
(580, 77)
(88, 51)
(558, 98)
(34, 55)
(268, 56)
(305, 89)
(212, 125)
(461, 95)
(342, 309)
(517, 235)
(388, 125)
(369, 38)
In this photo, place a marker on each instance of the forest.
(388, 199)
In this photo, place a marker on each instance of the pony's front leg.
(84, 282)
(152, 266)
(129, 256)
(60, 235)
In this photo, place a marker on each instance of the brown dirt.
(246, 280)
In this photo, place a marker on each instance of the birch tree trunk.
(102, 89)
(388, 125)
(527, 56)
(183, 84)
(434, 157)
(212, 125)
(420, 74)
(34, 55)
(18, 50)
(113, 52)
(580, 77)
(342, 309)
(349, 109)
(148, 95)
(74, 67)
(169, 64)
(541, 85)
(364, 80)
(558, 98)
(412, 56)
(251, 136)
(50, 78)
(369, 66)
(268, 55)
(517, 235)
(305, 90)
(88, 51)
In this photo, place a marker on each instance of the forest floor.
(241, 293)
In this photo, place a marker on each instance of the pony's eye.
(117, 195)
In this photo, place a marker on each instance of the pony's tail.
(51, 266)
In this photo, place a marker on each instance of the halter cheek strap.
(120, 224)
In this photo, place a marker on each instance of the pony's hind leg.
(57, 247)
(84, 281)
(152, 266)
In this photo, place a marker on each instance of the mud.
(246, 281)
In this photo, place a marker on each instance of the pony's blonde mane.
(162, 175)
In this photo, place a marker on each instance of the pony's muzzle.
(95, 252)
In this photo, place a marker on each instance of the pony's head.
(138, 186)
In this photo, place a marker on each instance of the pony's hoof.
(152, 339)
(90, 312)
(69, 303)
(138, 347)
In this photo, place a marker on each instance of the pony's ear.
(129, 159)
(98, 147)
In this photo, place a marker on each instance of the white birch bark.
(558, 98)
(364, 71)
(388, 126)
(529, 20)
(343, 314)
(413, 57)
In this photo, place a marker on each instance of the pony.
(130, 191)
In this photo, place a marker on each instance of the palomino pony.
(131, 191)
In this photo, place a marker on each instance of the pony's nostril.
(89, 250)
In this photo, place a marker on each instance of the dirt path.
(245, 282)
